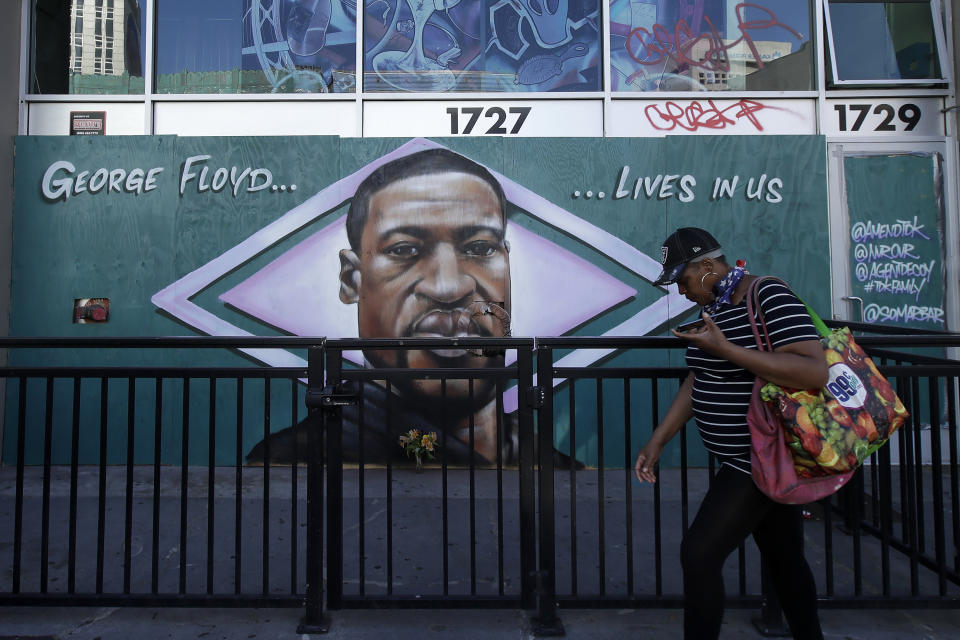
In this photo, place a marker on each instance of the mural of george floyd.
(322, 236)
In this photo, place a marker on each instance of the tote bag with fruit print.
(806, 444)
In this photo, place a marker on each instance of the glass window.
(256, 46)
(903, 39)
(68, 52)
(482, 45)
(711, 45)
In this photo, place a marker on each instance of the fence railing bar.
(102, 483)
(128, 488)
(211, 479)
(885, 500)
(157, 457)
(501, 578)
(853, 497)
(74, 479)
(828, 565)
(184, 483)
(915, 488)
(572, 389)
(601, 495)
(390, 429)
(954, 476)
(265, 528)
(628, 485)
(238, 496)
(47, 469)
(361, 492)
(18, 499)
(294, 484)
(444, 496)
(921, 517)
(473, 494)
(936, 469)
(657, 513)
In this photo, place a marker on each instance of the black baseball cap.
(683, 246)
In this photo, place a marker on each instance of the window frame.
(936, 11)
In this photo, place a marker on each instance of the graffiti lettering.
(867, 231)
(895, 251)
(61, 180)
(656, 47)
(697, 115)
(874, 313)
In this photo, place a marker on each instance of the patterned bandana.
(725, 288)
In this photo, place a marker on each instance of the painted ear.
(349, 277)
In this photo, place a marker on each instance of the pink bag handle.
(753, 304)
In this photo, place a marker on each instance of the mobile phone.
(690, 326)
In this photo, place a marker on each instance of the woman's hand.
(709, 338)
(647, 460)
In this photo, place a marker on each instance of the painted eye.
(403, 250)
(480, 248)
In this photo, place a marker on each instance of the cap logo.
(663, 255)
(696, 249)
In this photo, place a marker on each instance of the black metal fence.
(216, 485)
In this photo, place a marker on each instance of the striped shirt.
(722, 389)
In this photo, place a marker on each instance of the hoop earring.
(705, 276)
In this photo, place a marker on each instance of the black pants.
(732, 509)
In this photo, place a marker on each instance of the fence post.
(333, 412)
(313, 620)
(528, 540)
(546, 622)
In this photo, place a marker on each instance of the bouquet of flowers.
(419, 445)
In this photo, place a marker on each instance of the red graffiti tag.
(648, 48)
(697, 115)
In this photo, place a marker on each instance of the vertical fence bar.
(628, 485)
(828, 565)
(18, 500)
(918, 488)
(546, 621)
(389, 492)
(47, 462)
(211, 478)
(912, 527)
(499, 472)
(528, 541)
(954, 479)
(333, 421)
(184, 482)
(238, 496)
(157, 459)
(313, 620)
(882, 459)
(294, 484)
(936, 469)
(572, 402)
(265, 529)
(473, 495)
(361, 492)
(601, 492)
(657, 516)
(74, 469)
(128, 489)
(444, 505)
(102, 482)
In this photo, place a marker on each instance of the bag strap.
(754, 311)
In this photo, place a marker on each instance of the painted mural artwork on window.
(900, 37)
(256, 46)
(88, 47)
(711, 45)
(493, 45)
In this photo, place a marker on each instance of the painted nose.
(443, 279)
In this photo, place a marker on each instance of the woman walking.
(724, 362)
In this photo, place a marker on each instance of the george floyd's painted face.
(432, 245)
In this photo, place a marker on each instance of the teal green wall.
(129, 246)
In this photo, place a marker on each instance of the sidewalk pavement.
(125, 623)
